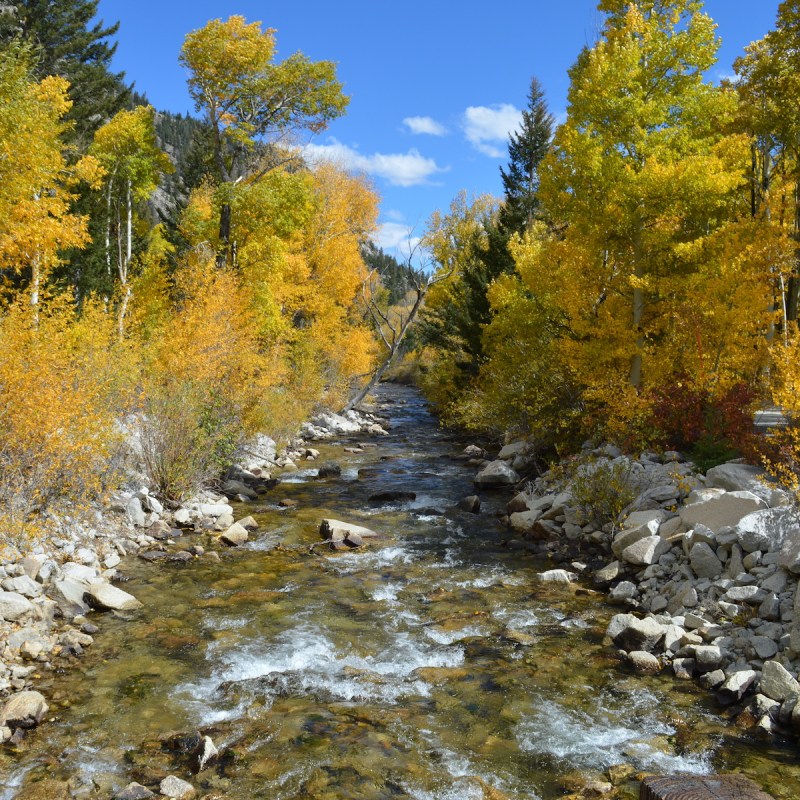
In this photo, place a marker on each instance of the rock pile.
(706, 566)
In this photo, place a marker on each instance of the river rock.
(471, 504)
(704, 561)
(644, 663)
(344, 533)
(394, 496)
(777, 682)
(523, 521)
(724, 510)
(134, 791)
(135, 513)
(555, 576)
(233, 489)
(177, 789)
(511, 451)
(623, 592)
(23, 710)
(205, 753)
(14, 606)
(608, 573)
(707, 657)
(496, 474)
(631, 633)
(330, 469)
(23, 585)
(684, 668)
(645, 551)
(105, 597)
(753, 595)
(764, 647)
(736, 685)
(633, 534)
(235, 535)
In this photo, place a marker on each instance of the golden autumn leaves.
(201, 350)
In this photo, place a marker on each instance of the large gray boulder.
(496, 474)
(646, 551)
(766, 530)
(734, 477)
(777, 682)
(631, 633)
(722, 511)
(235, 535)
(14, 606)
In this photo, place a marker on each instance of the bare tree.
(392, 324)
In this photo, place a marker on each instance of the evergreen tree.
(70, 46)
(526, 149)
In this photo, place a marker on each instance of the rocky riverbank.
(705, 566)
(51, 598)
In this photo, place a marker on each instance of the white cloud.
(484, 126)
(396, 236)
(400, 169)
(425, 125)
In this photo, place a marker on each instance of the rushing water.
(427, 666)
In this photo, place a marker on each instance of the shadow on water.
(424, 667)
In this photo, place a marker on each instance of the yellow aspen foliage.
(63, 382)
(36, 220)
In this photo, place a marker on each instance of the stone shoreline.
(706, 568)
(49, 597)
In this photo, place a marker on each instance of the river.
(430, 666)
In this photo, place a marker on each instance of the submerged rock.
(177, 789)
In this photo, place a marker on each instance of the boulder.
(523, 521)
(645, 551)
(629, 536)
(555, 576)
(511, 451)
(205, 753)
(608, 573)
(330, 469)
(471, 504)
(177, 789)
(745, 477)
(23, 585)
(248, 523)
(495, 475)
(736, 685)
(344, 534)
(135, 512)
(235, 535)
(721, 511)
(704, 561)
(631, 633)
(707, 657)
(14, 606)
(105, 597)
(233, 488)
(766, 530)
(644, 663)
(23, 710)
(68, 594)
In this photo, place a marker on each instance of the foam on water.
(388, 592)
(371, 559)
(449, 637)
(610, 734)
(304, 660)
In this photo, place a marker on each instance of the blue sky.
(434, 86)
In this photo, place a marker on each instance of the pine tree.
(526, 149)
(70, 46)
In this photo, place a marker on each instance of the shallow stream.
(429, 666)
